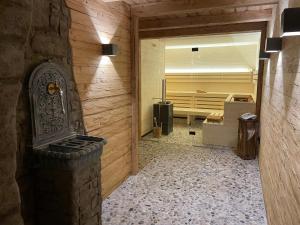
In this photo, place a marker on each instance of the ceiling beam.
(208, 30)
(166, 8)
(210, 20)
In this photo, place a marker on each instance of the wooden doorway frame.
(137, 36)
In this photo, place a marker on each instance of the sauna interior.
(130, 112)
(205, 76)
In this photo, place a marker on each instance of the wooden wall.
(152, 72)
(280, 129)
(104, 83)
(228, 83)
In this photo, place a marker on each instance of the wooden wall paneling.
(95, 106)
(227, 83)
(260, 72)
(172, 7)
(135, 44)
(104, 83)
(207, 30)
(206, 20)
(118, 146)
(116, 173)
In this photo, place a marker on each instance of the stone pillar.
(14, 26)
(68, 196)
(31, 32)
(10, 212)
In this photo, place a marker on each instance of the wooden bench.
(197, 104)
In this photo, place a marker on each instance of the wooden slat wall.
(227, 83)
(103, 83)
(280, 130)
(212, 78)
(214, 101)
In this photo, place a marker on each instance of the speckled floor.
(180, 134)
(188, 184)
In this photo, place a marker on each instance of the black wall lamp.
(264, 56)
(273, 45)
(290, 22)
(109, 49)
(195, 49)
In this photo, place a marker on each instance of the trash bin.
(247, 138)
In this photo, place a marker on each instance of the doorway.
(211, 80)
(254, 27)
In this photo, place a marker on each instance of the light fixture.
(109, 49)
(273, 45)
(264, 56)
(211, 45)
(195, 49)
(290, 22)
(207, 70)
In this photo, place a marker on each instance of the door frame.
(136, 38)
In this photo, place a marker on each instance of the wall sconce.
(290, 22)
(264, 56)
(274, 45)
(195, 49)
(109, 49)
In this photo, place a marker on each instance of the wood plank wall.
(280, 130)
(104, 83)
(228, 83)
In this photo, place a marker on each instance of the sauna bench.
(226, 132)
(191, 104)
(189, 112)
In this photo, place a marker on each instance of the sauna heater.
(163, 112)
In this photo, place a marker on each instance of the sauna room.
(210, 82)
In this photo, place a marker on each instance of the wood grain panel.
(228, 83)
(103, 83)
(116, 173)
(167, 8)
(206, 20)
(205, 30)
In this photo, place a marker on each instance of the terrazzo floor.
(187, 184)
(180, 134)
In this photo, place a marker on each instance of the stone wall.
(280, 128)
(76, 191)
(31, 32)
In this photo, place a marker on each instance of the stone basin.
(77, 144)
(70, 153)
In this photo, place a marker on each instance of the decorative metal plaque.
(48, 92)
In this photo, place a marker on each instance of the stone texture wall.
(31, 32)
(69, 197)
(280, 128)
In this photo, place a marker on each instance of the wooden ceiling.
(139, 2)
(167, 15)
